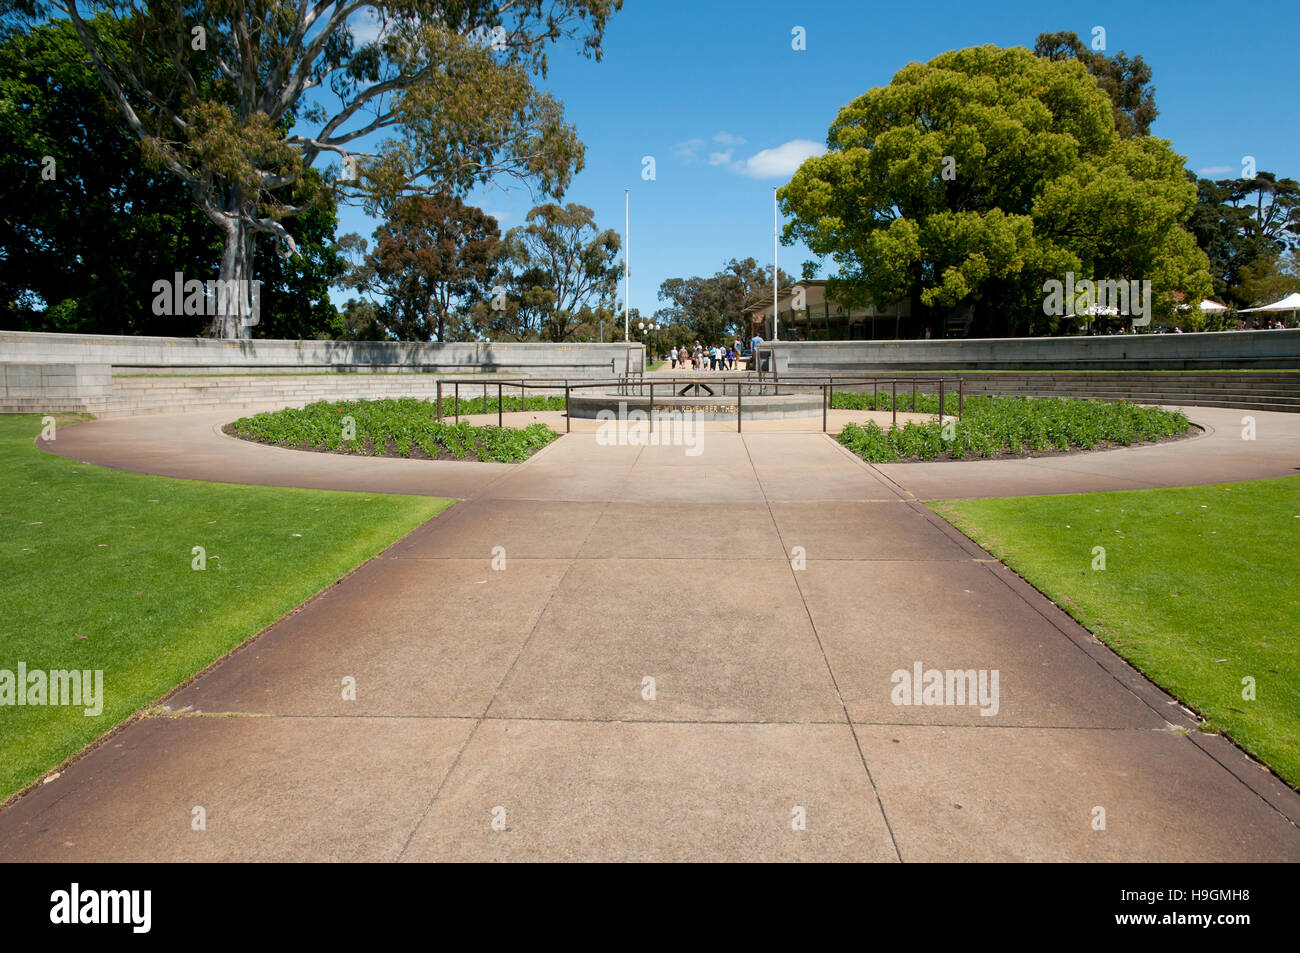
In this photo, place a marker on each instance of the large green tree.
(295, 289)
(1268, 279)
(87, 226)
(432, 254)
(1273, 206)
(1126, 82)
(1243, 226)
(361, 321)
(969, 181)
(711, 309)
(239, 98)
(554, 265)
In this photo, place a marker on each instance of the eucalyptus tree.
(557, 263)
(431, 254)
(238, 98)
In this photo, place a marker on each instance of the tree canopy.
(560, 271)
(712, 309)
(971, 180)
(1127, 82)
(87, 226)
(432, 253)
(1248, 228)
(239, 100)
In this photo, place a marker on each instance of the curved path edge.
(192, 446)
(774, 674)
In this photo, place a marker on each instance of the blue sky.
(715, 93)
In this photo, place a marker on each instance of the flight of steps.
(1247, 390)
(156, 395)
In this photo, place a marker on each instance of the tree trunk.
(240, 314)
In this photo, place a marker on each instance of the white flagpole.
(627, 266)
(776, 234)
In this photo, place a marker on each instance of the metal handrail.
(622, 385)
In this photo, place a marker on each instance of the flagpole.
(627, 266)
(776, 232)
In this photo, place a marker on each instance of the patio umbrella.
(1290, 303)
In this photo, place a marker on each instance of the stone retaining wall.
(1133, 352)
(1248, 390)
(55, 388)
(128, 354)
(114, 376)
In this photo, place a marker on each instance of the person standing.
(673, 355)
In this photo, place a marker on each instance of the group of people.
(1271, 324)
(705, 358)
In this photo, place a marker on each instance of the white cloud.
(1214, 170)
(688, 151)
(365, 26)
(780, 162)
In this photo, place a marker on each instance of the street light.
(651, 327)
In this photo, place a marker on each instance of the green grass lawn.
(97, 568)
(1199, 591)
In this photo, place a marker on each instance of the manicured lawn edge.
(151, 710)
(1168, 604)
(150, 647)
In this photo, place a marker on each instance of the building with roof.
(805, 313)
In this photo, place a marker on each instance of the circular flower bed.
(1006, 426)
(399, 427)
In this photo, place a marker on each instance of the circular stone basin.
(755, 401)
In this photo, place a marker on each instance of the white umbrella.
(1208, 305)
(1290, 303)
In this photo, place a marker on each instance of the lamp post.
(776, 241)
(647, 330)
(627, 261)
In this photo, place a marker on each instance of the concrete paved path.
(191, 446)
(684, 657)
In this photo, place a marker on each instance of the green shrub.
(992, 425)
(400, 426)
